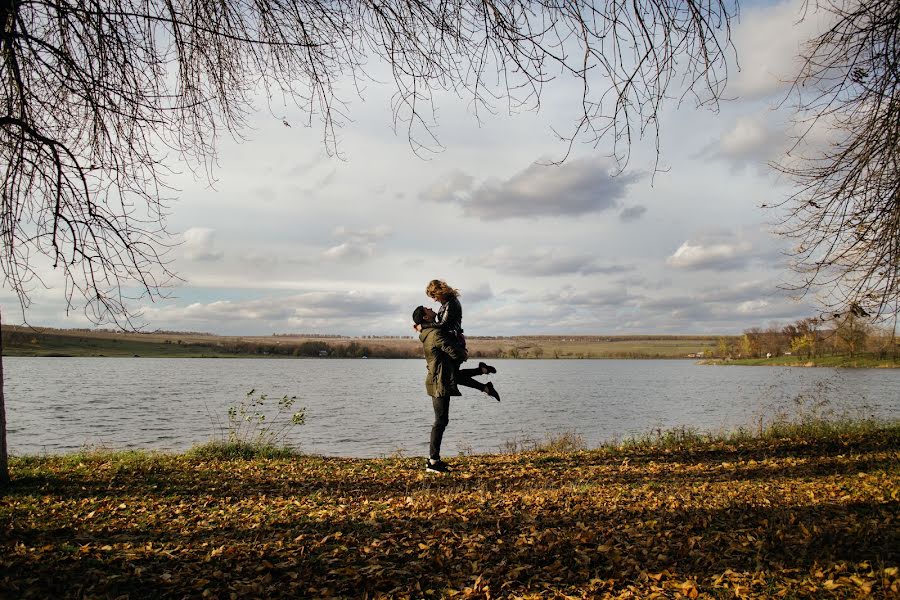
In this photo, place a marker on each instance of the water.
(369, 408)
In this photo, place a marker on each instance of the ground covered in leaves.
(765, 519)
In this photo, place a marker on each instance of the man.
(443, 356)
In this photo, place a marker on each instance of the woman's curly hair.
(438, 288)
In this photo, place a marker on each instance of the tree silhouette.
(845, 213)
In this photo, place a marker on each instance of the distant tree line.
(319, 349)
(311, 335)
(850, 334)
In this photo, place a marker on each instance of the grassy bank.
(796, 512)
(860, 361)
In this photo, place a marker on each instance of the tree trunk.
(4, 460)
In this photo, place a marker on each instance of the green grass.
(861, 361)
(240, 451)
(811, 430)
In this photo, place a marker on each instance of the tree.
(751, 343)
(852, 332)
(845, 214)
(4, 459)
(807, 330)
(101, 97)
(722, 349)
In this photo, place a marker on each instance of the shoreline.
(834, 362)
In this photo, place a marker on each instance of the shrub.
(251, 433)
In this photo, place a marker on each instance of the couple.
(445, 350)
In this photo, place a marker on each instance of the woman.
(449, 319)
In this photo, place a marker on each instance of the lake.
(370, 408)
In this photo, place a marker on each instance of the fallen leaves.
(749, 522)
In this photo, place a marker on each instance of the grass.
(860, 361)
(792, 511)
(218, 450)
(567, 441)
(814, 429)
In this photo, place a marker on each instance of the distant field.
(593, 346)
(23, 341)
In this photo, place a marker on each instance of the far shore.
(43, 342)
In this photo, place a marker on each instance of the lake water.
(370, 408)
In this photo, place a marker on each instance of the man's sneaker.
(437, 467)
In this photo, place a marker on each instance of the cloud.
(769, 43)
(356, 245)
(729, 250)
(747, 291)
(480, 293)
(221, 310)
(266, 261)
(350, 304)
(570, 297)
(451, 188)
(750, 303)
(722, 256)
(766, 137)
(265, 193)
(769, 40)
(316, 311)
(574, 188)
(544, 262)
(632, 213)
(304, 166)
(752, 140)
(198, 243)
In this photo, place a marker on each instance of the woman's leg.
(464, 377)
(487, 388)
(481, 369)
(470, 372)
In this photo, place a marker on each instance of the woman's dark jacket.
(449, 317)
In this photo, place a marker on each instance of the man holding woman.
(444, 345)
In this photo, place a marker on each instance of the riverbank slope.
(782, 516)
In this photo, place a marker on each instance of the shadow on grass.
(164, 476)
(536, 522)
(352, 556)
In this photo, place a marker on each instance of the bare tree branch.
(845, 213)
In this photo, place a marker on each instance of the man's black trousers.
(441, 418)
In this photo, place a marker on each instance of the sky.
(291, 240)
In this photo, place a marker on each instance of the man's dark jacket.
(443, 356)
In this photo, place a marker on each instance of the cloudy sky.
(290, 240)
